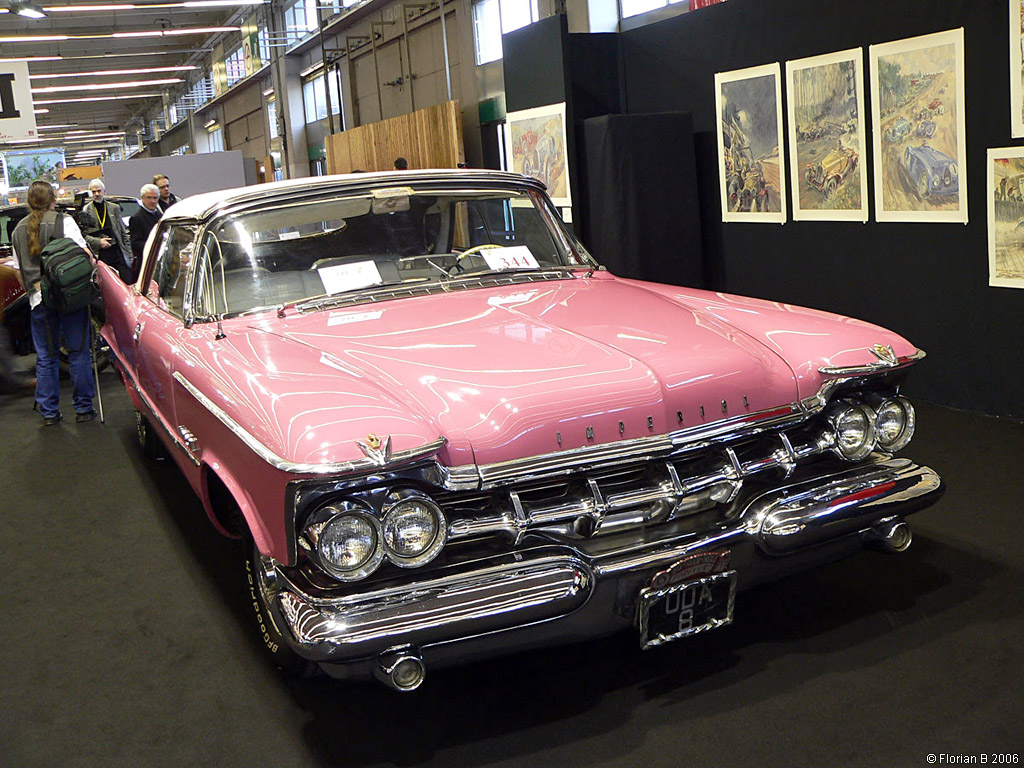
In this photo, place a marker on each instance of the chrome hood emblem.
(885, 354)
(377, 450)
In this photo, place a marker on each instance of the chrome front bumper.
(554, 594)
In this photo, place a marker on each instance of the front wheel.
(922, 185)
(261, 579)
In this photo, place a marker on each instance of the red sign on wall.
(695, 4)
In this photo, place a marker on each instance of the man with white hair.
(143, 221)
(103, 226)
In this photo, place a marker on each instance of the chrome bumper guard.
(779, 532)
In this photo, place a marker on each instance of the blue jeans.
(48, 328)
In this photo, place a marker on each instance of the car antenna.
(220, 329)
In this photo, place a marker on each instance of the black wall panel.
(927, 281)
(642, 204)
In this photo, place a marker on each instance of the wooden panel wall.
(427, 138)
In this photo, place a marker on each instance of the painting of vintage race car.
(931, 172)
(834, 168)
(444, 432)
(925, 129)
(899, 130)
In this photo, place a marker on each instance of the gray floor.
(127, 642)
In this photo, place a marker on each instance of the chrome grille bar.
(592, 511)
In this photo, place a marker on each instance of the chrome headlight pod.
(414, 528)
(895, 422)
(346, 540)
(854, 425)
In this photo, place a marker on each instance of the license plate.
(686, 609)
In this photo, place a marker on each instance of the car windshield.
(321, 249)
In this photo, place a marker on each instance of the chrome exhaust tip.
(401, 669)
(893, 536)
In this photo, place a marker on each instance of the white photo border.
(953, 37)
(767, 217)
(992, 156)
(550, 110)
(856, 55)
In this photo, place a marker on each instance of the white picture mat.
(954, 37)
(994, 280)
(721, 78)
(551, 110)
(1016, 71)
(856, 55)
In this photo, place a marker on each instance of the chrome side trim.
(154, 418)
(278, 462)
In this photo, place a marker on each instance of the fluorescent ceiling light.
(151, 33)
(104, 72)
(148, 6)
(101, 98)
(98, 133)
(41, 111)
(27, 9)
(111, 55)
(107, 86)
(33, 58)
(55, 127)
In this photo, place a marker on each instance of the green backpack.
(68, 276)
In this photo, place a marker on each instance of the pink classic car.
(444, 432)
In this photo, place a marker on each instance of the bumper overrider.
(557, 593)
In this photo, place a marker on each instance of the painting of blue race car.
(931, 172)
(926, 129)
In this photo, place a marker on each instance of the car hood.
(508, 372)
(931, 157)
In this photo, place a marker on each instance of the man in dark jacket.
(142, 222)
(102, 224)
(167, 198)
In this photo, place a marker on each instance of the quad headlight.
(854, 426)
(895, 422)
(347, 540)
(414, 529)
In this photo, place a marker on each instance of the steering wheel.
(476, 249)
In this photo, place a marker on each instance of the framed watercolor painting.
(918, 133)
(535, 145)
(825, 106)
(751, 157)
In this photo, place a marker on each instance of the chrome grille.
(615, 498)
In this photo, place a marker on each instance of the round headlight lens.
(414, 531)
(855, 432)
(348, 546)
(894, 424)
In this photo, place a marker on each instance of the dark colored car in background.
(933, 173)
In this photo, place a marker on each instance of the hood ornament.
(377, 450)
(885, 354)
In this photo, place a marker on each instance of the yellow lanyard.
(103, 221)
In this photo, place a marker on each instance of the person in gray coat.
(103, 226)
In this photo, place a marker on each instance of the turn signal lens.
(855, 432)
(895, 422)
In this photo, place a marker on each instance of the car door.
(160, 335)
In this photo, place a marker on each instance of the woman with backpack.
(29, 238)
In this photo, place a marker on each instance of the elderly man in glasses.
(103, 226)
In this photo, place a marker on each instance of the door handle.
(138, 331)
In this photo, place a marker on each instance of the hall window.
(636, 7)
(234, 66)
(493, 18)
(300, 20)
(315, 99)
(216, 139)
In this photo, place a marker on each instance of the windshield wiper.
(326, 300)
